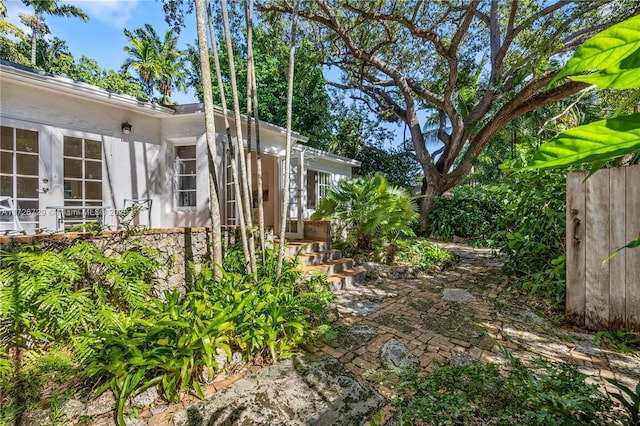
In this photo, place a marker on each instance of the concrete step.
(331, 267)
(317, 258)
(298, 247)
(347, 278)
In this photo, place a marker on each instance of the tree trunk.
(287, 158)
(205, 71)
(252, 92)
(34, 39)
(248, 240)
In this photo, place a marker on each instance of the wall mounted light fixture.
(126, 127)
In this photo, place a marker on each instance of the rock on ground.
(297, 391)
(396, 356)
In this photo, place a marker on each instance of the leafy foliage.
(547, 394)
(170, 343)
(48, 295)
(159, 63)
(614, 54)
(368, 212)
(421, 253)
(533, 241)
(472, 212)
(629, 399)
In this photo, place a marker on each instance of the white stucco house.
(70, 150)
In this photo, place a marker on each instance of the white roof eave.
(73, 88)
(317, 153)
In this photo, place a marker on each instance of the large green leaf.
(624, 75)
(595, 142)
(605, 49)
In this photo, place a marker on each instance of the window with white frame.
(317, 185)
(185, 176)
(19, 174)
(82, 178)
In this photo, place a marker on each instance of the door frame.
(296, 196)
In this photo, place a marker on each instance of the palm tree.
(6, 26)
(143, 56)
(158, 62)
(172, 72)
(36, 21)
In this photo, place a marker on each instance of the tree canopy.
(271, 55)
(469, 67)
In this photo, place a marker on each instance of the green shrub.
(367, 212)
(169, 343)
(472, 212)
(55, 293)
(533, 240)
(547, 394)
(421, 253)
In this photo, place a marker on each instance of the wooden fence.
(603, 214)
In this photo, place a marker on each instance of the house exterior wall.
(131, 164)
(139, 165)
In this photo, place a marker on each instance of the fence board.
(597, 243)
(575, 231)
(632, 256)
(617, 238)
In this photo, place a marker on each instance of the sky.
(102, 36)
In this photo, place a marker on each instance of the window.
(317, 184)
(19, 174)
(82, 178)
(231, 205)
(185, 167)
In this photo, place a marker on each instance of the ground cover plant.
(51, 297)
(128, 339)
(512, 394)
(171, 343)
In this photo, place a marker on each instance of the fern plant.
(58, 292)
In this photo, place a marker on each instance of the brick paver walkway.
(430, 318)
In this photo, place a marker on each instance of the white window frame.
(28, 217)
(82, 217)
(322, 182)
(177, 162)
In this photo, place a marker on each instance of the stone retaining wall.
(178, 247)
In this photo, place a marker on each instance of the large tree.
(471, 66)
(36, 21)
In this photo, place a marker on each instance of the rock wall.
(179, 247)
